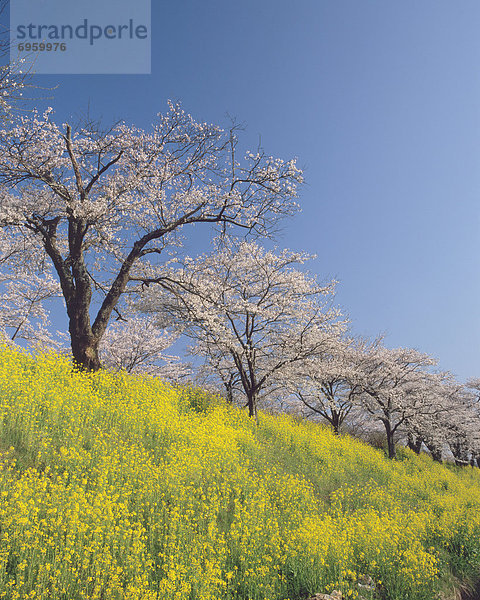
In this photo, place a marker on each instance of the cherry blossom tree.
(12, 85)
(26, 286)
(328, 384)
(391, 382)
(462, 425)
(473, 384)
(218, 374)
(137, 345)
(473, 388)
(105, 207)
(251, 312)
(442, 402)
(23, 315)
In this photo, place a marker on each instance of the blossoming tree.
(106, 206)
(328, 384)
(251, 312)
(26, 284)
(392, 381)
(137, 345)
(440, 402)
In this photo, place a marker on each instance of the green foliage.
(193, 398)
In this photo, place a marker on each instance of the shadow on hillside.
(473, 594)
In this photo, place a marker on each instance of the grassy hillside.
(114, 486)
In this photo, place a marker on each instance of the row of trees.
(271, 335)
(97, 218)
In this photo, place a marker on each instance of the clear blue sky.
(380, 101)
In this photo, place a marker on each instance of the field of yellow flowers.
(120, 487)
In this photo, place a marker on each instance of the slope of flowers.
(120, 487)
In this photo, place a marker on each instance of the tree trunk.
(435, 452)
(252, 408)
(229, 388)
(392, 451)
(414, 443)
(85, 353)
(335, 423)
(84, 344)
(460, 454)
(461, 461)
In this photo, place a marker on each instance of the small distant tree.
(252, 314)
(441, 402)
(217, 373)
(473, 388)
(328, 385)
(136, 345)
(390, 381)
(462, 425)
(106, 206)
